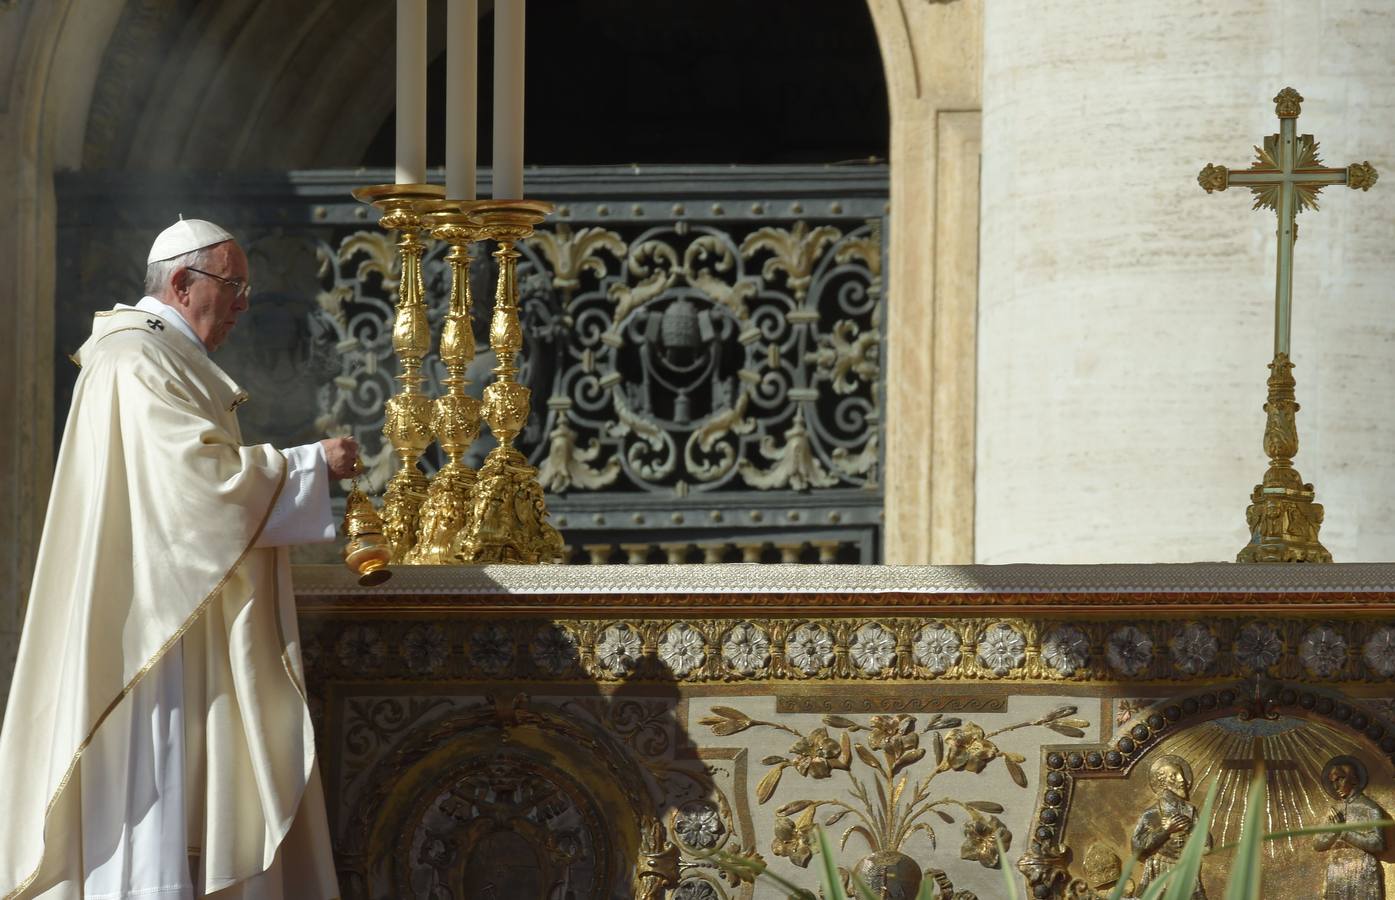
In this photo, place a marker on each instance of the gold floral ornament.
(983, 835)
(887, 812)
(816, 755)
(794, 837)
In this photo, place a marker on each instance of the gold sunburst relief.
(1296, 752)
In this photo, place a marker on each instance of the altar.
(598, 731)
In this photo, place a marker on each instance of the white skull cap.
(186, 236)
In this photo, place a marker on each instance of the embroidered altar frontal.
(598, 731)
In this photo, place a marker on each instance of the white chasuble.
(153, 601)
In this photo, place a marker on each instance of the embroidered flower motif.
(981, 836)
(873, 648)
(1323, 651)
(1379, 651)
(1129, 650)
(618, 649)
(746, 649)
(1065, 649)
(793, 839)
(359, 647)
(696, 889)
(1258, 646)
(1002, 649)
(816, 754)
(936, 648)
(682, 649)
(1193, 649)
(698, 824)
(809, 648)
(491, 648)
(425, 648)
(554, 649)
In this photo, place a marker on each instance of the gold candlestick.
(456, 415)
(508, 515)
(407, 422)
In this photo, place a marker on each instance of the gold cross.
(1282, 517)
(1287, 178)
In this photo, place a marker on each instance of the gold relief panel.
(1326, 758)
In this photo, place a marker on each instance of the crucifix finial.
(1287, 102)
(1286, 177)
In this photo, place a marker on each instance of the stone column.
(1126, 316)
(931, 54)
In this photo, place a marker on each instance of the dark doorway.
(685, 81)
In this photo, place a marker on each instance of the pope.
(157, 741)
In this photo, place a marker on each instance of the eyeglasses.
(243, 288)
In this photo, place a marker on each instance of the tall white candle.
(411, 91)
(508, 99)
(462, 96)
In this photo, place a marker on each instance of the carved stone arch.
(560, 794)
(1220, 733)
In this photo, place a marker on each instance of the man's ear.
(179, 280)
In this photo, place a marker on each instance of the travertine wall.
(1126, 316)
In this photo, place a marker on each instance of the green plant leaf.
(1245, 874)
(1123, 883)
(1009, 883)
(832, 884)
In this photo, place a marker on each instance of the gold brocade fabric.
(149, 540)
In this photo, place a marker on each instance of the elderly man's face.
(211, 306)
(1171, 778)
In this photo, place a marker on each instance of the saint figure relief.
(1353, 871)
(1164, 827)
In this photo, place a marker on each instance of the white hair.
(158, 273)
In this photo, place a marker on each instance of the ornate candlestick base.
(1282, 516)
(456, 415)
(407, 422)
(508, 515)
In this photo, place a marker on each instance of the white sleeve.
(302, 514)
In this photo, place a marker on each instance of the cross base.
(1283, 528)
(1282, 517)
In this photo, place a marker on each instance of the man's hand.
(342, 455)
(1175, 824)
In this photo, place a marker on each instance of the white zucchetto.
(186, 236)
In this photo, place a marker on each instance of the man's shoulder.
(130, 340)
